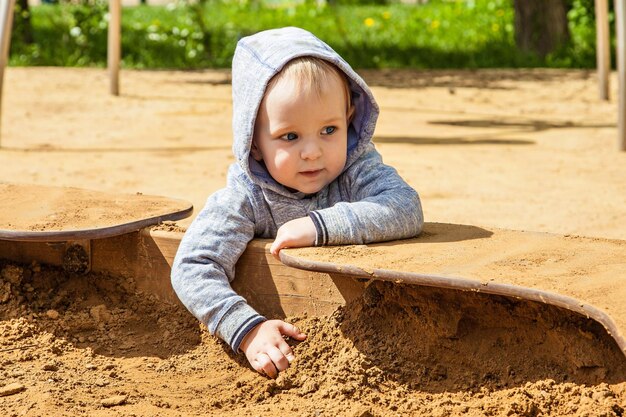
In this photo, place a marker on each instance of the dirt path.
(526, 150)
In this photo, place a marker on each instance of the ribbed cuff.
(237, 323)
(322, 232)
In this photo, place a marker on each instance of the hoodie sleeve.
(384, 207)
(205, 264)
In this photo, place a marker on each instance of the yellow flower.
(500, 13)
(386, 15)
(495, 27)
(369, 22)
(435, 24)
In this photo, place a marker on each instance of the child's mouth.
(312, 173)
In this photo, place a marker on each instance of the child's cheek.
(283, 160)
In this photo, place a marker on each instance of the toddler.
(306, 173)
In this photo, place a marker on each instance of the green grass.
(440, 34)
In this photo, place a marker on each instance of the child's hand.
(266, 349)
(294, 234)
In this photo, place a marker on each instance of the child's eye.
(329, 130)
(289, 136)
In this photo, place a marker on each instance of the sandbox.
(117, 341)
(525, 150)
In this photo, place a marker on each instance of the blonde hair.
(313, 73)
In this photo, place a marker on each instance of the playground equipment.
(114, 49)
(73, 218)
(603, 49)
(620, 18)
(603, 60)
(6, 20)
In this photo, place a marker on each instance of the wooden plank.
(272, 288)
(603, 53)
(6, 20)
(114, 49)
(155, 253)
(279, 291)
(27, 252)
(620, 20)
(49, 214)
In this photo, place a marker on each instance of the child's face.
(301, 135)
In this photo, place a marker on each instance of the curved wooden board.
(52, 214)
(585, 275)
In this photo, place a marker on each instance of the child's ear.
(254, 151)
(350, 114)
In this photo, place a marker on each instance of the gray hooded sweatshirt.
(368, 202)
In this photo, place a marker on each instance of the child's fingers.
(275, 248)
(279, 359)
(286, 350)
(290, 330)
(277, 245)
(264, 364)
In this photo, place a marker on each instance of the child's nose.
(311, 149)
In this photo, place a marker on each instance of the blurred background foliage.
(190, 34)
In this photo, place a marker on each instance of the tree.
(540, 25)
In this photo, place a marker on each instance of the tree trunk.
(21, 22)
(540, 25)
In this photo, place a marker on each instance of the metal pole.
(114, 45)
(603, 52)
(6, 20)
(620, 18)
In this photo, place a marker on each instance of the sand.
(525, 150)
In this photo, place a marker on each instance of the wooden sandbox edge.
(146, 256)
(276, 289)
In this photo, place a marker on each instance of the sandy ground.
(526, 150)
(531, 150)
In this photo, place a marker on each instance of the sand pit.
(90, 343)
(525, 150)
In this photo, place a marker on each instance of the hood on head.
(261, 56)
